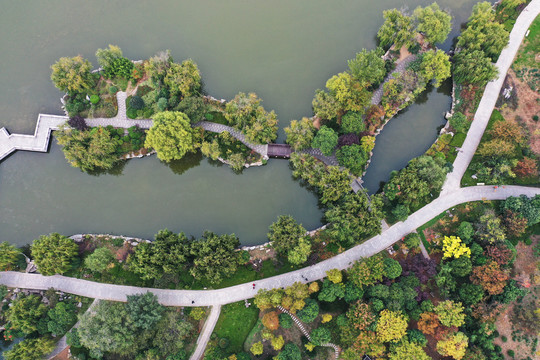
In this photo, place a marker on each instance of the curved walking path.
(489, 98)
(400, 67)
(246, 291)
(219, 128)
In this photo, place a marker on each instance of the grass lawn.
(243, 275)
(235, 323)
(430, 223)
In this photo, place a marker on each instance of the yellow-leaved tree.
(453, 247)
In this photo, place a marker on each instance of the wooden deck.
(279, 151)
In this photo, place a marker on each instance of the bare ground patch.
(528, 106)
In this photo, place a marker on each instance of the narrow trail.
(306, 334)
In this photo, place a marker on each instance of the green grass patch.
(250, 338)
(458, 139)
(429, 224)
(235, 323)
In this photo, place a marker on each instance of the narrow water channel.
(281, 49)
(409, 134)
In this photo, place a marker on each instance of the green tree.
(246, 114)
(471, 294)
(483, 33)
(54, 253)
(290, 352)
(320, 335)
(214, 256)
(285, 234)
(144, 310)
(408, 350)
(435, 66)
(412, 240)
(183, 80)
(331, 291)
(9, 255)
(355, 218)
(106, 57)
(310, 312)
(300, 253)
(334, 184)
(108, 328)
(450, 313)
(368, 67)
(72, 75)
(433, 22)
(25, 313)
(473, 67)
(89, 150)
(171, 136)
(352, 157)
(325, 105)
(352, 122)
(392, 268)
(489, 228)
(367, 271)
(285, 321)
(334, 275)
(418, 182)
(325, 140)
(391, 326)
(300, 133)
(349, 93)
(397, 29)
(172, 332)
(257, 348)
(99, 260)
(211, 149)
(30, 349)
(61, 318)
(167, 254)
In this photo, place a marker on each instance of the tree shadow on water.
(187, 162)
(116, 170)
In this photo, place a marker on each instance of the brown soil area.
(263, 254)
(525, 266)
(64, 355)
(528, 106)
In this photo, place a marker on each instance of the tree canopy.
(433, 22)
(245, 113)
(54, 253)
(72, 75)
(397, 29)
(325, 140)
(171, 136)
(368, 67)
(300, 133)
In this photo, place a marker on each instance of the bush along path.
(306, 334)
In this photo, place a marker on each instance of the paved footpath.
(206, 332)
(246, 291)
(489, 98)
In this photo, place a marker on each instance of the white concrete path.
(246, 291)
(37, 142)
(206, 332)
(489, 98)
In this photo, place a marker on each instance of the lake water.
(282, 50)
